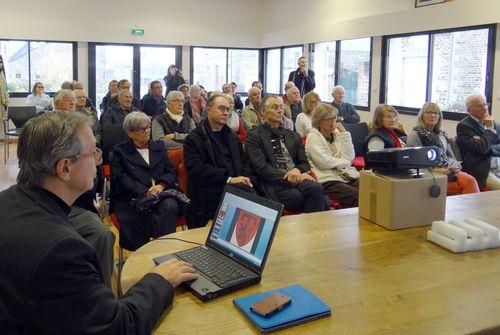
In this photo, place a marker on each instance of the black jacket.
(238, 104)
(347, 112)
(261, 154)
(477, 146)
(152, 107)
(384, 136)
(172, 83)
(304, 84)
(205, 168)
(50, 280)
(115, 115)
(131, 177)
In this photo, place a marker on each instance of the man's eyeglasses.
(97, 155)
(143, 129)
(223, 109)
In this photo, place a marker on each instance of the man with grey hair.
(478, 137)
(303, 78)
(51, 280)
(65, 100)
(347, 113)
(228, 88)
(251, 113)
(116, 112)
(288, 85)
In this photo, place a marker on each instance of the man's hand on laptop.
(176, 272)
(240, 180)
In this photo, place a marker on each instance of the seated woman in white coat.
(330, 152)
(38, 98)
(303, 123)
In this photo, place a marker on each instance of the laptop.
(237, 246)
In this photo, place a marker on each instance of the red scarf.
(394, 136)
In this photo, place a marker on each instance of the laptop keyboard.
(219, 271)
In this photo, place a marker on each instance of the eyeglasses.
(143, 129)
(223, 109)
(97, 155)
(331, 119)
(432, 113)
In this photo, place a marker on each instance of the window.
(213, 67)
(323, 63)
(440, 66)
(27, 62)
(243, 68)
(279, 63)
(113, 62)
(345, 63)
(273, 71)
(290, 57)
(154, 65)
(354, 70)
(139, 64)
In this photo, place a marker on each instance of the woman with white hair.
(141, 168)
(196, 104)
(428, 132)
(330, 153)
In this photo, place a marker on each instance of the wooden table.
(376, 281)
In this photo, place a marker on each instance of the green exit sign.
(137, 31)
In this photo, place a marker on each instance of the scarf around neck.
(175, 117)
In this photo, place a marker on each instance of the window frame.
(191, 63)
(74, 46)
(136, 64)
(264, 65)
(338, 51)
(447, 115)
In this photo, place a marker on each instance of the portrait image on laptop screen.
(244, 228)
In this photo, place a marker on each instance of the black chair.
(358, 134)
(19, 115)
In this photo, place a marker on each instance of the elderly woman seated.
(386, 132)
(330, 152)
(141, 168)
(196, 104)
(173, 125)
(428, 132)
(303, 123)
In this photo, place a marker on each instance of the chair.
(19, 115)
(358, 131)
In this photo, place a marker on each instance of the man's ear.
(63, 169)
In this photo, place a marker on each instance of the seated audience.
(228, 89)
(173, 125)
(51, 277)
(173, 79)
(154, 103)
(303, 78)
(214, 157)
(91, 113)
(39, 99)
(79, 86)
(196, 104)
(385, 133)
(330, 152)
(184, 88)
(116, 112)
(234, 121)
(428, 132)
(124, 84)
(293, 105)
(251, 113)
(303, 123)
(140, 167)
(288, 85)
(478, 137)
(279, 161)
(112, 91)
(65, 100)
(347, 113)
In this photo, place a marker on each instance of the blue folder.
(305, 307)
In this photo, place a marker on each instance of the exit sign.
(137, 31)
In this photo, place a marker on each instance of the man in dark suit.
(50, 280)
(278, 159)
(478, 137)
(214, 157)
(303, 78)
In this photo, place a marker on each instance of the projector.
(402, 158)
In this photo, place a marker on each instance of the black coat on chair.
(131, 177)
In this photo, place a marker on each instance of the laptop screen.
(244, 227)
